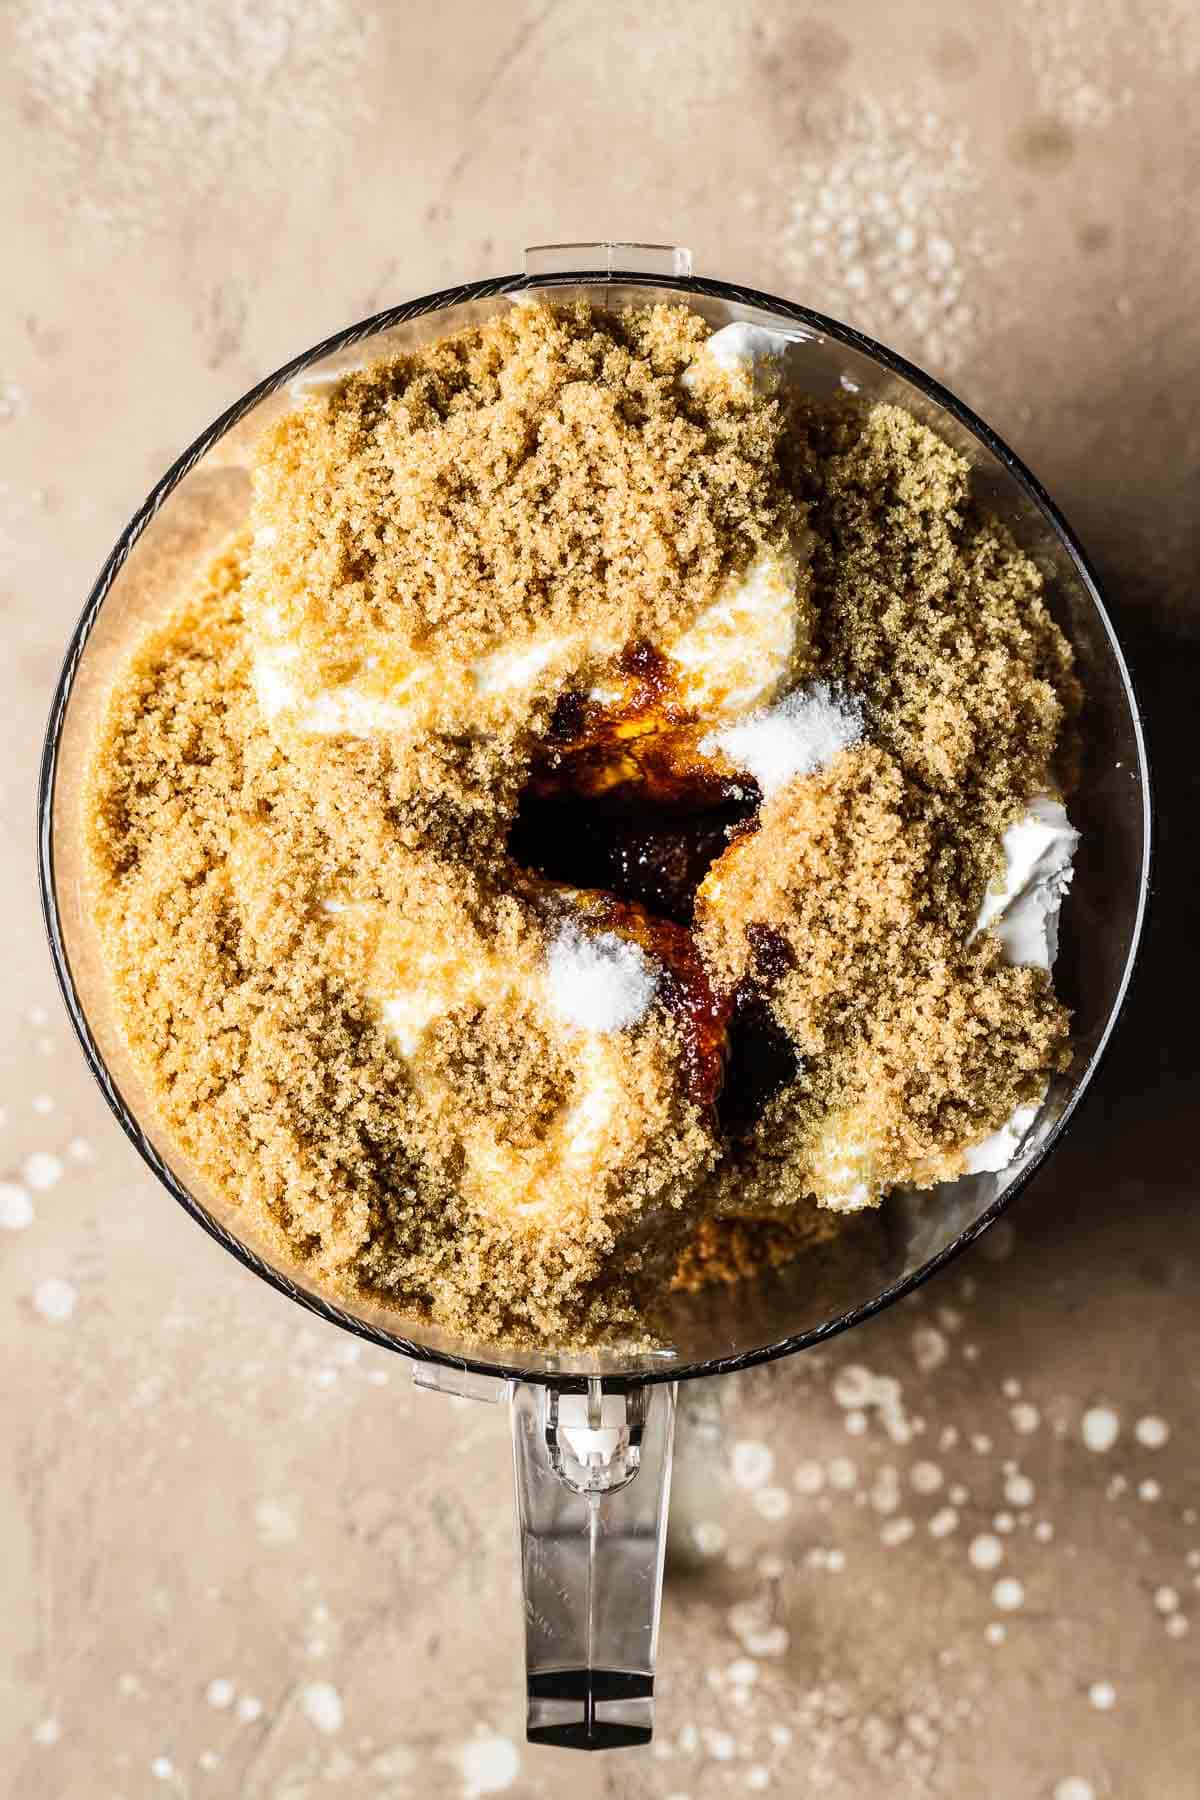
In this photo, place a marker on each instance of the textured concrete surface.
(241, 1558)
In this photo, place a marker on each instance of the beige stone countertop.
(242, 1556)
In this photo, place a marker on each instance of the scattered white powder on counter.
(753, 1463)
(1008, 1595)
(42, 1170)
(809, 1478)
(986, 1552)
(55, 1299)
(220, 1693)
(489, 1764)
(1022, 908)
(930, 1348)
(1100, 1429)
(240, 84)
(323, 1706)
(800, 735)
(16, 1208)
(1152, 1432)
(1102, 1695)
(885, 226)
(599, 983)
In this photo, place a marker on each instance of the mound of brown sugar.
(328, 967)
(916, 1039)
(548, 470)
(930, 611)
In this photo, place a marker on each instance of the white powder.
(323, 1706)
(16, 1208)
(1100, 1429)
(1090, 59)
(798, 736)
(986, 1551)
(55, 1299)
(489, 1764)
(1102, 1695)
(42, 1170)
(887, 224)
(220, 1693)
(896, 1531)
(809, 1478)
(241, 85)
(276, 1522)
(709, 1537)
(930, 1348)
(855, 1388)
(753, 1463)
(598, 983)
(1008, 1595)
(1152, 1432)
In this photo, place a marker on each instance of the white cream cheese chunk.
(755, 351)
(739, 651)
(1023, 907)
(413, 701)
(997, 1150)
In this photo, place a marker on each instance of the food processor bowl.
(592, 1429)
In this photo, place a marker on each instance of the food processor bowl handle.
(593, 1474)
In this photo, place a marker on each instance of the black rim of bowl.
(316, 1303)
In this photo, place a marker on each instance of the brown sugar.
(328, 957)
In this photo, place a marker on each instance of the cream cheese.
(1022, 907)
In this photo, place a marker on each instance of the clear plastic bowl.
(556, 1393)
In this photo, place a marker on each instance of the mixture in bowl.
(601, 822)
